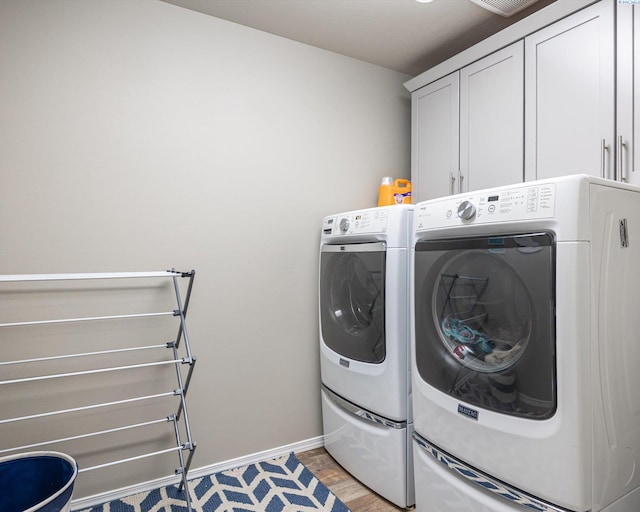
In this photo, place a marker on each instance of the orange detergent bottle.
(394, 192)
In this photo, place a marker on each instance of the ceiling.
(403, 35)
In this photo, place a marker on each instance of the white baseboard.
(97, 499)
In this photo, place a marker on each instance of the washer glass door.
(352, 281)
(484, 321)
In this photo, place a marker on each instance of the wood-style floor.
(349, 490)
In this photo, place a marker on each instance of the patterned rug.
(279, 485)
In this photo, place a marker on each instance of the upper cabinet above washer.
(467, 129)
(627, 163)
(491, 120)
(582, 82)
(542, 105)
(435, 135)
(570, 101)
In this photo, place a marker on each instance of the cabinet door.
(569, 96)
(435, 139)
(627, 93)
(492, 120)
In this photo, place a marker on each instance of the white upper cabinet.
(569, 99)
(627, 164)
(467, 131)
(491, 120)
(563, 99)
(434, 139)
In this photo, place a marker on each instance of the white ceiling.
(402, 35)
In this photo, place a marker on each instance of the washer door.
(484, 321)
(352, 281)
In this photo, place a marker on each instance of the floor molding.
(97, 499)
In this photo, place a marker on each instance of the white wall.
(137, 135)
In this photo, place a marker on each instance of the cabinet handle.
(460, 178)
(619, 160)
(603, 149)
(453, 180)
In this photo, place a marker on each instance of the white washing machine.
(364, 347)
(526, 344)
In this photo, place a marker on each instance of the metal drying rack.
(178, 417)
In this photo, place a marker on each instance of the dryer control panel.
(356, 223)
(504, 204)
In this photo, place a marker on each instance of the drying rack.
(463, 298)
(176, 353)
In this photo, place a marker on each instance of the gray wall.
(136, 135)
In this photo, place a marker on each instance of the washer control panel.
(523, 202)
(355, 223)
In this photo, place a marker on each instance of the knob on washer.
(344, 225)
(466, 210)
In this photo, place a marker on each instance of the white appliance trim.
(484, 481)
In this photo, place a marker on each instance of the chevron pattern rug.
(279, 485)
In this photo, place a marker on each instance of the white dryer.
(526, 344)
(364, 347)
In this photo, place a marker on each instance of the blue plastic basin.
(37, 481)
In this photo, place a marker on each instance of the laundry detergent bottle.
(394, 192)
